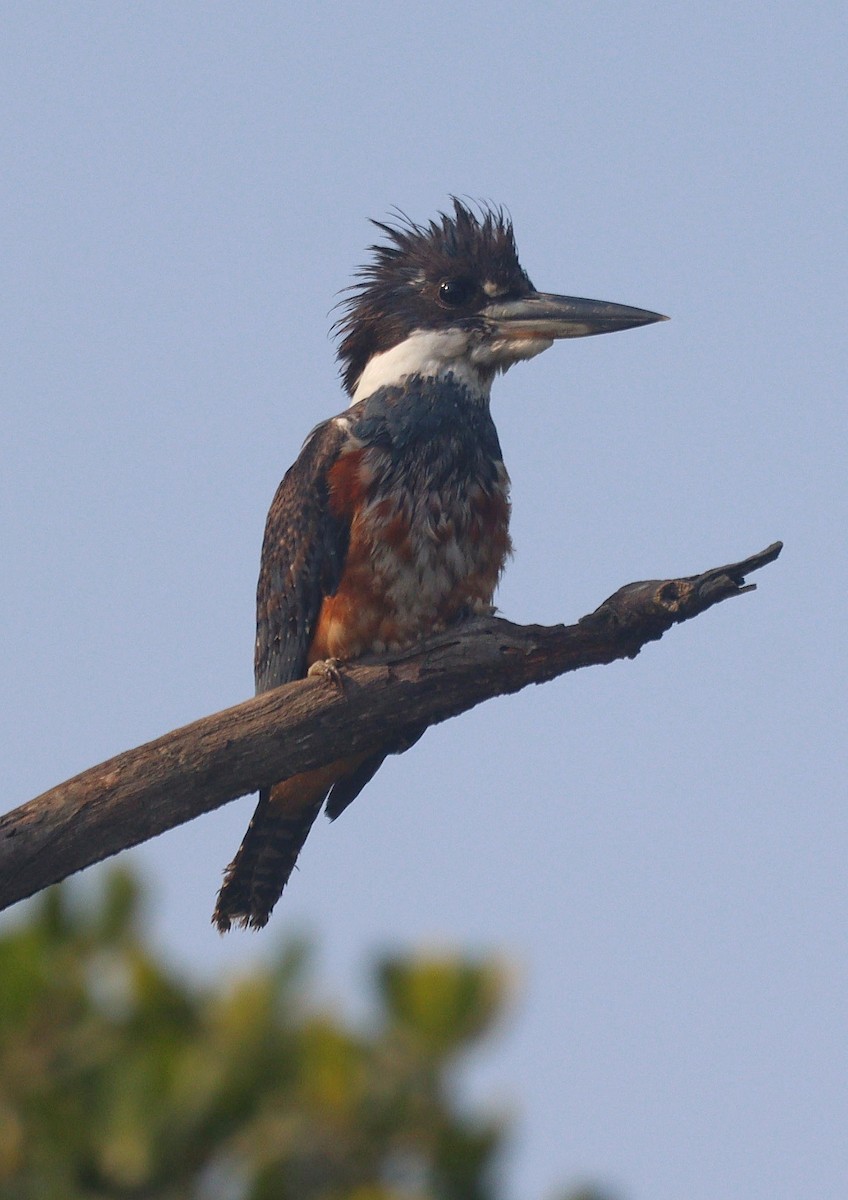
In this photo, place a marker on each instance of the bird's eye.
(455, 292)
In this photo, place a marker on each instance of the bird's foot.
(329, 669)
(477, 609)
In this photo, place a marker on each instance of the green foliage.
(119, 1080)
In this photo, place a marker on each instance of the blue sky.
(658, 847)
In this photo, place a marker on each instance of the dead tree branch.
(310, 722)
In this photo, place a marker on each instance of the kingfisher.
(393, 523)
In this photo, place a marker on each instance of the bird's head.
(452, 296)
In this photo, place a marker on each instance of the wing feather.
(303, 556)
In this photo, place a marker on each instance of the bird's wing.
(303, 557)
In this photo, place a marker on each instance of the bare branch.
(310, 722)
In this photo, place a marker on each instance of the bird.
(393, 522)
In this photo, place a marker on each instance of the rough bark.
(366, 705)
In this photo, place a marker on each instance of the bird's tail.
(254, 880)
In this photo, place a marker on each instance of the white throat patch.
(428, 353)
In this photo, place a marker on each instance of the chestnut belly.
(415, 564)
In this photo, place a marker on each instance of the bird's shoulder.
(303, 553)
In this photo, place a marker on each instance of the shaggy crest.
(395, 292)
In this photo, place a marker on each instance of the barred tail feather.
(254, 880)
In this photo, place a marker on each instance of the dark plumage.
(398, 291)
(394, 520)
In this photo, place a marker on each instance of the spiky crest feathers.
(396, 293)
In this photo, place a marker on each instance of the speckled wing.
(303, 556)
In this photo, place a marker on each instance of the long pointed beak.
(546, 316)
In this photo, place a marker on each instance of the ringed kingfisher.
(393, 523)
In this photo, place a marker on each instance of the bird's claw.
(329, 669)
